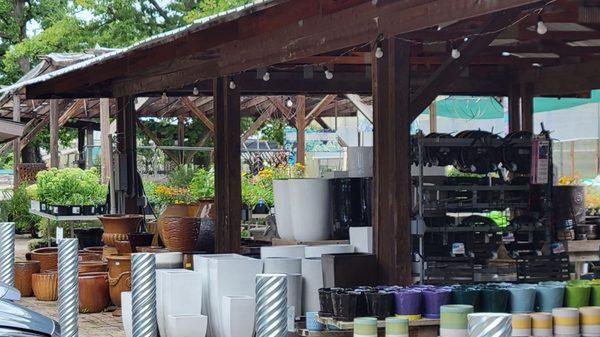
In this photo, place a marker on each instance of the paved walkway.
(90, 325)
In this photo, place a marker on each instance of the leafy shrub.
(182, 176)
(70, 186)
(16, 209)
(202, 186)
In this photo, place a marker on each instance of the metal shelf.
(496, 188)
(482, 229)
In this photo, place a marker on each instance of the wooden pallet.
(543, 268)
(449, 270)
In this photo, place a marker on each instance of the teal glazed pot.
(549, 295)
(466, 295)
(494, 299)
(522, 298)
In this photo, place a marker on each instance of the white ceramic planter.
(362, 239)
(282, 251)
(127, 313)
(309, 204)
(359, 161)
(186, 326)
(178, 292)
(229, 277)
(294, 293)
(317, 251)
(282, 265)
(169, 260)
(282, 209)
(238, 316)
(312, 278)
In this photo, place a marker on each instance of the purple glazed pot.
(408, 301)
(433, 299)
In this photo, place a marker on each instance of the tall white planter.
(282, 251)
(309, 202)
(178, 293)
(359, 161)
(229, 277)
(283, 216)
(238, 316)
(127, 313)
(294, 293)
(282, 265)
(187, 325)
(317, 251)
(170, 260)
(312, 277)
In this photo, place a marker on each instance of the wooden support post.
(16, 143)
(127, 189)
(572, 159)
(514, 108)
(81, 147)
(300, 126)
(89, 146)
(54, 155)
(228, 190)
(527, 92)
(181, 137)
(391, 170)
(432, 117)
(104, 143)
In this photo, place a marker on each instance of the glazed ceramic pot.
(408, 302)
(45, 286)
(123, 247)
(522, 298)
(92, 267)
(187, 325)
(177, 293)
(283, 216)
(206, 208)
(282, 265)
(48, 258)
(93, 292)
(206, 238)
(494, 299)
(466, 295)
(23, 272)
(86, 256)
(380, 304)
(180, 234)
(549, 295)
(119, 277)
(117, 226)
(433, 299)
(577, 293)
(238, 316)
(310, 216)
(139, 240)
(344, 305)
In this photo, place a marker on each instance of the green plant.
(70, 186)
(16, 209)
(182, 176)
(202, 185)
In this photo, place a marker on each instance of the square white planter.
(238, 314)
(186, 326)
(282, 251)
(127, 313)
(312, 278)
(166, 294)
(294, 293)
(362, 239)
(282, 265)
(171, 260)
(317, 251)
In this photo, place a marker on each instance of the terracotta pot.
(95, 250)
(45, 286)
(116, 226)
(108, 251)
(123, 247)
(140, 240)
(188, 259)
(177, 210)
(92, 267)
(180, 234)
(94, 295)
(152, 249)
(86, 256)
(23, 272)
(119, 276)
(48, 258)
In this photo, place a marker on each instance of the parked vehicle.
(18, 321)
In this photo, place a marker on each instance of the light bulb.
(289, 103)
(537, 65)
(266, 76)
(541, 26)
(232, 84)
(328, 74)
(378, 52)
(455, 53)
(506, 54)
(195, 91)
(164, 96)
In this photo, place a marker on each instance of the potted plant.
(202, 189)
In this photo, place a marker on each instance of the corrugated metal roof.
(197, 25)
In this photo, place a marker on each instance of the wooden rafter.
(258, 123)
(71, 112)
(200, 143)
(319, 108)
(172, 155)
(199, 114)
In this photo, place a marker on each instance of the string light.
(195, 91)
(541, 26)
(455, 53)
(378, 52)
(537, 65)
(328, 74)
(164, 96)
(266, 76)
(232, 85)
(506, 54)
(289, 102)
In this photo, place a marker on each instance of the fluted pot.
(92, 267)
(48, 258)
(180, 234)
(119, 276)
(117, 226)
(45, 286)
(23, 272)
(94, 294)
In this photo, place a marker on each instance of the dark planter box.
(89, 237)
(64, 210)
(101, 209)
(349, 270)
(89, 210)
(43, 207)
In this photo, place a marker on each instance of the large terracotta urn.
(48, 258)
(180, 234)
(45, 286)
(117, 226)
(92, 267)
(87, 256)
(23, 272)
(119, 276)
(94, 293)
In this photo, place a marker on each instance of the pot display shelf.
(582, 251)
(282, 242)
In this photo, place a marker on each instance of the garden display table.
(582, 251)
(424, 327)
(59, 219)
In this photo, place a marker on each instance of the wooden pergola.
(402, 52)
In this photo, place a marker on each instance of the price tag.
(508, 237)
(458, 248)
(59, 234)
(558, 247)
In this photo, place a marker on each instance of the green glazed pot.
(578, 293)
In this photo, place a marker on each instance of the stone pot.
(180, 234)
(23, 272)
(117, 226)
(123, 247)
(119, 276)
(45, 286)
(48, 258)
(92, 267)
(93, 292)
(140, 240)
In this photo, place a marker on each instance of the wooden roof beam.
(319, 108)
(199, 114)
(258, 123)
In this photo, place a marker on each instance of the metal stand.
(68, 287)
(7, 253)
(271, 305)
(143, 294)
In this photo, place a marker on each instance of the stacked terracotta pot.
(179, 226)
